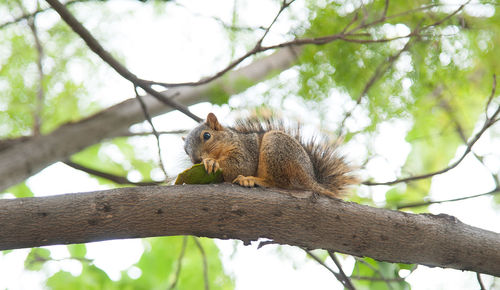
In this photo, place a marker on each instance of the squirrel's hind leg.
(251, 181)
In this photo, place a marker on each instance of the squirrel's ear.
(183, 138)
(213, 123)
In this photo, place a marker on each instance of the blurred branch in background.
(115, 178)
(97, 48)
(179, 263)
(205, 263)
(40, 54)
(489, 121)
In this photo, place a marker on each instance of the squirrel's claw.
(246, 181)
(211, 165)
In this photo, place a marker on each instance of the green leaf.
(382, 273)
(198, 175)
(36, 259)
(20, 190)
(77, 250)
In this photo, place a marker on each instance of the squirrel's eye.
(206, 135)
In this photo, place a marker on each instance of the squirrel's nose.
(196, 160)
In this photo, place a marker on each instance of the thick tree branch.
(227, 211)
(27, 156)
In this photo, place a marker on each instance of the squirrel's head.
(203, 139)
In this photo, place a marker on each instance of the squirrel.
(267, 154)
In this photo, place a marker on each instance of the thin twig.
(460, 129)
(205, 264)
(256, 49)
(284, 5)
(337, 275)
(179, 263)
(425, 203)
(222, 22)
(132, 134)
(490, 98)
(379, 72)
(345, 36)
(40, 54)
(146, 84)
(97, 48)
(148, 118)
(341, 271)
(480, 281)
(115, 178)
(368, 278)
(439, 22)
(36, 12)
(386, 7)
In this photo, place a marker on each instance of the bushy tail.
(331, 171)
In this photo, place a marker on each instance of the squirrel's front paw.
(211, 165)
(246, 181)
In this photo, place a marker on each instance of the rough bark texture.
(226, 211)
(28, 157)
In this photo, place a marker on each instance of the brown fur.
(269, 154)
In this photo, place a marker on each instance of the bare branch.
(386, 7)
(426, 203)
(40, 54)
(257, 48)
(22, 157)
(138, 134)
(345, 35)
(490, 121)
(97, 48)
(36, 12)
(222, 22)
(379, 72)
(205, 264)
(493, 90)
(347, 281)
(480, 281)
(368, 278)
(115, 178)
(439, 22)
(317, 259)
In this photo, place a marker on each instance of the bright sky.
(184, 47)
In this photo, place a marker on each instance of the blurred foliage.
(384, 276)
(158, 267)
(117, 157)
(438, 80)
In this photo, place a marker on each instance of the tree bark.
(25, 158)
(231, 212)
